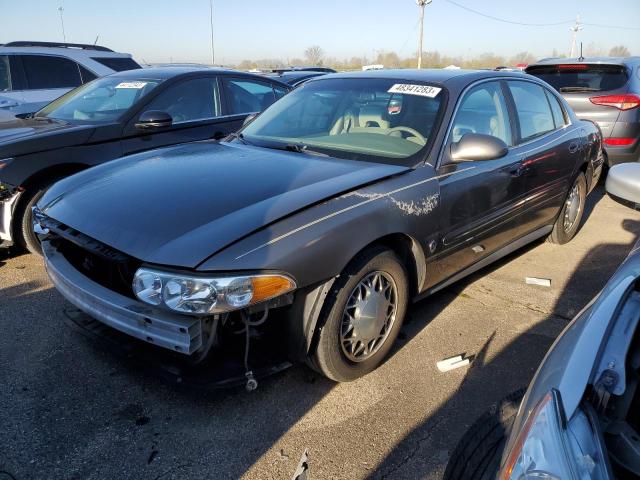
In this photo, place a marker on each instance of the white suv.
(32, 74)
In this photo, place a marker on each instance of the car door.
(481, 202)
(44, 78)
(244, 96)
(549, 149)
(195, 107)
(10, 95)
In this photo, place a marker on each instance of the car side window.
(44, 72)
(556, 110)
(87, 76)
(279, 91)
(5, 78)
(248, 96)
(532, 108)
(483, 110)
(195, 99)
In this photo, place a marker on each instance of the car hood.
(22, 136)
(177, 206)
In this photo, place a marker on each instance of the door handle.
(574, 147)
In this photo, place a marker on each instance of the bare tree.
(619, 51)
(522, 57)
(314, 55)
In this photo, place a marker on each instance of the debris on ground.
(543, 282)
(453, 363)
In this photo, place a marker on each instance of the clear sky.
(164, 30)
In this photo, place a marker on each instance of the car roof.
(576, 60)
(440, 75)
(164, 73)
(62, 51)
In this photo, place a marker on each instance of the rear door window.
(532, 108)
(248, 96)
(44, 72)
(581, 77)
(87, 75)
(117, 64)
(5, 77)
(190, 100)
(556, 110)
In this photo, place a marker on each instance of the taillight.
(573, 66)
(621, 102)
(619, 142)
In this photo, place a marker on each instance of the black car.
(346, 199)
(295, 77)
(113, 116)
(605, 90)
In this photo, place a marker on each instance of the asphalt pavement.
(71, 410)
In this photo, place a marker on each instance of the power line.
(525, 24)
(504, 20)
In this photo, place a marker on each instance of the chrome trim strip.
(338, 212)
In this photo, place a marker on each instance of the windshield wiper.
(578, 89)
(299, 148)
(237, 136)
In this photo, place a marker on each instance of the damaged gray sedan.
(325, 216)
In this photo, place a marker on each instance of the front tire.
(23, 221)
(362, 316)
(568, 222)
(477, 456)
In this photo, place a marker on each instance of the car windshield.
(376, 120)
(102, 100)
(581, 77)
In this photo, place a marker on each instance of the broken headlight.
(200, 295)
(544, 449)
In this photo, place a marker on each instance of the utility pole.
(421, 4)
(213, 58)
(64, 36)
(574, 29)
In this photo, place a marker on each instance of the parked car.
(113, 116)
(580, 417)
(605, 90)
(32, 74)
(295, 78)
(330, 209)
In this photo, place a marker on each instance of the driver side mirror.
(477, 147)
(153, 119)
(623, 184)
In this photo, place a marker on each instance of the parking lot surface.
(69, 409)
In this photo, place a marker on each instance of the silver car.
(33, 74)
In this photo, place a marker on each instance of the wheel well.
(410, 253)
(39, 178)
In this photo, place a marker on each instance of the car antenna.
(581, 57)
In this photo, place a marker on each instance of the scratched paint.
(420, 207)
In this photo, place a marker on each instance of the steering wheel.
(412, 133)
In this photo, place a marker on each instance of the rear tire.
(477, 456)
(568, 222)
(338, 355)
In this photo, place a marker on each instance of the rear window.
(581, 77)
(117, 64)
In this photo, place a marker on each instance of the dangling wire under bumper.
(252, 383)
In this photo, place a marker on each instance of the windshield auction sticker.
(131, 85)
(420, 90)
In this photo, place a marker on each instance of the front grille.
(99, 262)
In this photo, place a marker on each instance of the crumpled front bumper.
(9, 197)
(174, 332)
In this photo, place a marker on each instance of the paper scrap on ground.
(452, 363)
(543, 282)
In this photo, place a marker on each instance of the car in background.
(580, 417)
(295, 78)
(319, 218)
(605, 90)
(113, 116)
(32, 74)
